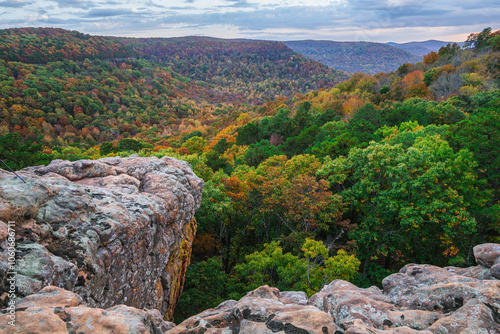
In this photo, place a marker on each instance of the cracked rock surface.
(114, 230)
(57, 311)
(420, 299)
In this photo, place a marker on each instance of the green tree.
(365, 122)
(279, 124)
(308, 272)
(259, 152)
(248, 134)
(106, 148)
(478, 41)
(302, 118)
(298, 144)
(195, 144)
(196, 133)
(18, 153)
(205, 287)
(410, 204)
(129, 144)
(226, 211)
(215, 159)
(480, 134)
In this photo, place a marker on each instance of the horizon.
(245, 38)
(241, 38)
(399, 21)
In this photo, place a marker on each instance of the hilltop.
(264, 69)
(422, 48)
(250, 71)
(366, 57)
(85, 89)
(42, 45)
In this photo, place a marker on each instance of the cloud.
(75, 4)
(37, 18)
(151, 3)
(108, 12)
(271, 19)
(179, 8)
(301, 18)
(467, 4)
(240, 4)
(283, 17)
(14, 3)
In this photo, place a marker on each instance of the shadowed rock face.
(113, 230)
(420, 299)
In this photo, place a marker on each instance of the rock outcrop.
(421, 299)
(57, 311)
(264, 310)
(114, 230)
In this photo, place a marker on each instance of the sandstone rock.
(348, 304)
(359, 327)
(487, 254)
(54, 310)
(37, 267)
(495, 271)
(420, 299)
(114, 230)
(298, 297)
(477, 272)
(431, 288)
(473, 317)
(263, 310)
(51, 296)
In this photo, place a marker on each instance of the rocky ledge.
(113, 230)
(57, 311)
(420, 299)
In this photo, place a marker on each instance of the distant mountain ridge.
(263, 69)
(242, 70)
(422, 48)
(366, 57)
(42, 45)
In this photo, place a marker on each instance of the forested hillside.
(42, 45)
(351, 181)
(422, 48)
(251, 70)
(104, 90)
(355, 57)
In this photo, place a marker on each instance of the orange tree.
(294, 201)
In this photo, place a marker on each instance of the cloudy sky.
(340, 20)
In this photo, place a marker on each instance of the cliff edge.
(114, 230)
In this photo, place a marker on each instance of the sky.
(339, 20)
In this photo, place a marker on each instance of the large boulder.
(57, 311)
(113, 230)
(488, 255)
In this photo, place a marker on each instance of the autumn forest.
(306, 168)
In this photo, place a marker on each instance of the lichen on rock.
(113, 230)
(54, 310)
(420, 299)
